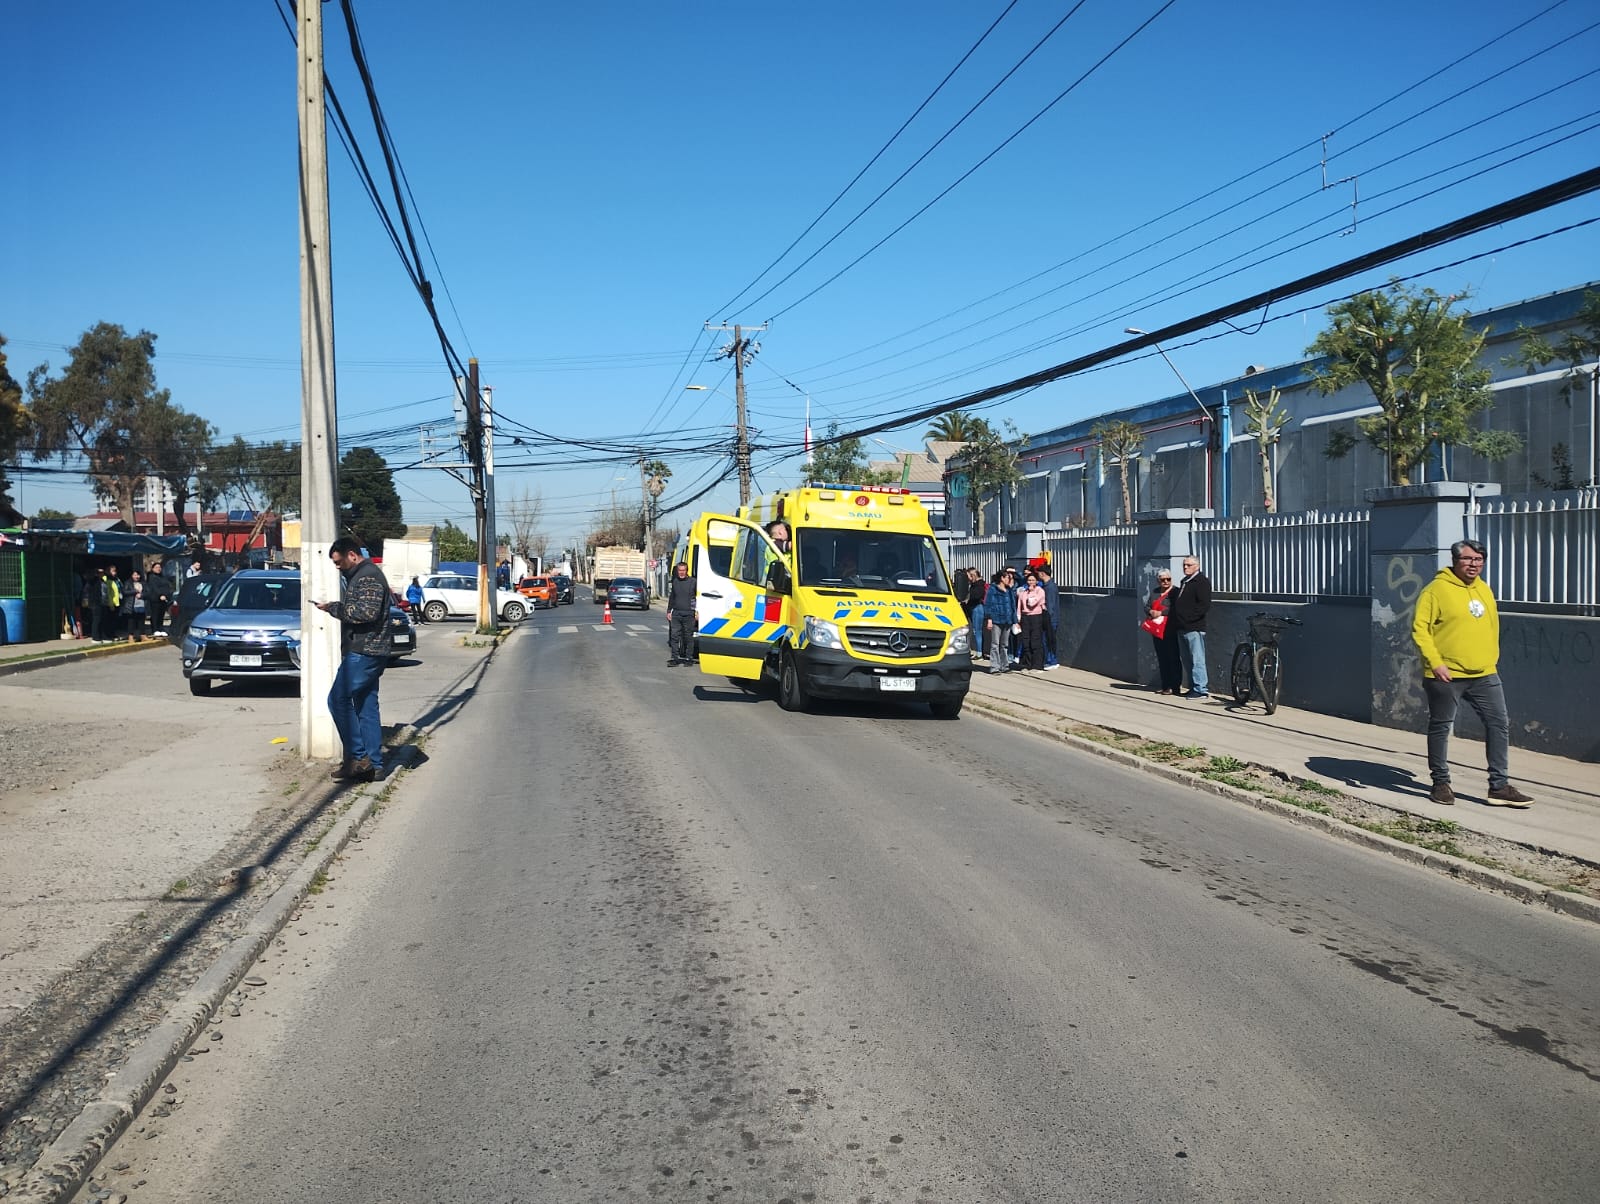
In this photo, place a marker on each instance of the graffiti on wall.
(1397, 672)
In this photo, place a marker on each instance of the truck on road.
(613, 562)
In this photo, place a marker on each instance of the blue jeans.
(1000, 648)
(1486, 696)
(353, 702)
(977, 629)
(1193, 649)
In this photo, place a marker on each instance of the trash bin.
(13, 625)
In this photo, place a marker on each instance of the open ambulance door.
(742, 599)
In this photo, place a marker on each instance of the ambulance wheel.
(792, 694)
(947, 708)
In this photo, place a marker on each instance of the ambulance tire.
(947, 709)
(792, 694)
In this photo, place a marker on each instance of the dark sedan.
(628, 591)
(193, 597)
(564, 592)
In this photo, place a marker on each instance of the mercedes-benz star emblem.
(898, 641)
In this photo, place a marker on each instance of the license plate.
(897, 683)
(240, 660)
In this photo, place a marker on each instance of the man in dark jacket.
(158, 596)
(680, 615)
(363, 616)
(999, 616)
(1191, 602)
(1052, 611)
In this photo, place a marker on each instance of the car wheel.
(792, 694)
(947, 708)
(200, 685)
(435, 612)
(514, 612)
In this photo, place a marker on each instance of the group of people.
(1013, 624)
(117, 608)
(1175, 615)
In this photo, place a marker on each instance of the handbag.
(1156, 626)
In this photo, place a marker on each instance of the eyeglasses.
(1470, 559)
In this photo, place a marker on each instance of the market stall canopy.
(98, 543)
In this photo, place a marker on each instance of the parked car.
(628, 591)
(402, 635)
(541, 591)
(250, 628)
(193, 593)
(564, 591)
(453, 594)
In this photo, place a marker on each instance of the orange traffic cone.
(607, 618)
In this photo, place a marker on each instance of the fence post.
(1410, 534)
(1161, 539)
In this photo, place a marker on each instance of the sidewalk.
(1382, 765)
(21, 658)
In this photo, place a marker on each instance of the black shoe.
(355, 771)
(674, 663)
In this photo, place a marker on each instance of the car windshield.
(880, 560)
(281, 593)
(627, 583)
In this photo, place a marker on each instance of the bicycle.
(1257, 664)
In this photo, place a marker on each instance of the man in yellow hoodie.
(1457, 629)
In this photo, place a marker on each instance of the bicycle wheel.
(1269, 676)
(1242, 682)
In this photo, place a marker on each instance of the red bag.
(1156, 626)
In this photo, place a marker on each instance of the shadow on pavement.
(1368, 773)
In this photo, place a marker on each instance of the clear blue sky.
(597, 181)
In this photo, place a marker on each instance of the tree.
(1420, 362)
(48, 515)
(263, 478)
(1576, 349)
(455, 544)
(524, 512)
(368, 500)
(179, 450)
(13, 421)
(1265, 420)
(843, 461)
(1120, 441)
(957, 426)
(989, 464)
(100, 407)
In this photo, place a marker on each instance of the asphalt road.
(633, 934)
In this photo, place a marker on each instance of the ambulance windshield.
(876, 560)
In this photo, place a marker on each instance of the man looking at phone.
(364, 648)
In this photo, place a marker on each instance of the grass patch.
(1224, 765)
(318, 884)
(1160, 750)
(181, 886)
(1234, 780)
(1193, 751)
(1311, 786)
(1304, 804)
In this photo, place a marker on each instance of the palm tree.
(957, 426)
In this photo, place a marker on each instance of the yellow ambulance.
(857, 606)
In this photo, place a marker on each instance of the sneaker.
(1052, 666)
(1508, 796)
(1197, 694)
(1441, 793)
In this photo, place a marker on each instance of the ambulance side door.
(741, 615)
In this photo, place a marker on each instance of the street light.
(1211, 418)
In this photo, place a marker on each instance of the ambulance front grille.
(912, 642)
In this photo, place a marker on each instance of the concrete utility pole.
(475, 446)
(490, 519)
(740, 351)
(319, 445)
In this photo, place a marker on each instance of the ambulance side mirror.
(778, 579)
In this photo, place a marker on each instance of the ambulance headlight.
(960, 640)
(823, 633)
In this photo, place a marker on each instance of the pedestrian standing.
(414, 600)
(1052, 614)
(999, 614)
(194, 569)
(1187, 614)
(111, 596)
(363, 615)
(1168, 659)
(681, 591)
(1031, 609)
(135, 607)
(1456, 627)
(158, 593)
(976, 589)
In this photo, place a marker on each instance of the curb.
(65, 1166)
(7, 668)
(1562, 902)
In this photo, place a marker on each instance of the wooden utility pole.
(319, 443)
(741, 351)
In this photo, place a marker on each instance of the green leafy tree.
(456, 544)
(368, 499)
(179, 450)
(1577, 349)
(957, 426)
(13, 422)
(843, 461)
(48, 515)
(1120, 442)
(263, 478)
(989, 464)
(1420, 361)
(1265, 421)
(100, 407)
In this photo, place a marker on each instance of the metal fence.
(1543, 548)
(987, 554)
(1095, 558)
(1310, 554)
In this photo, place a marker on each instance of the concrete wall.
(1552, 684)
(1325, 664)
(1100, 633)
